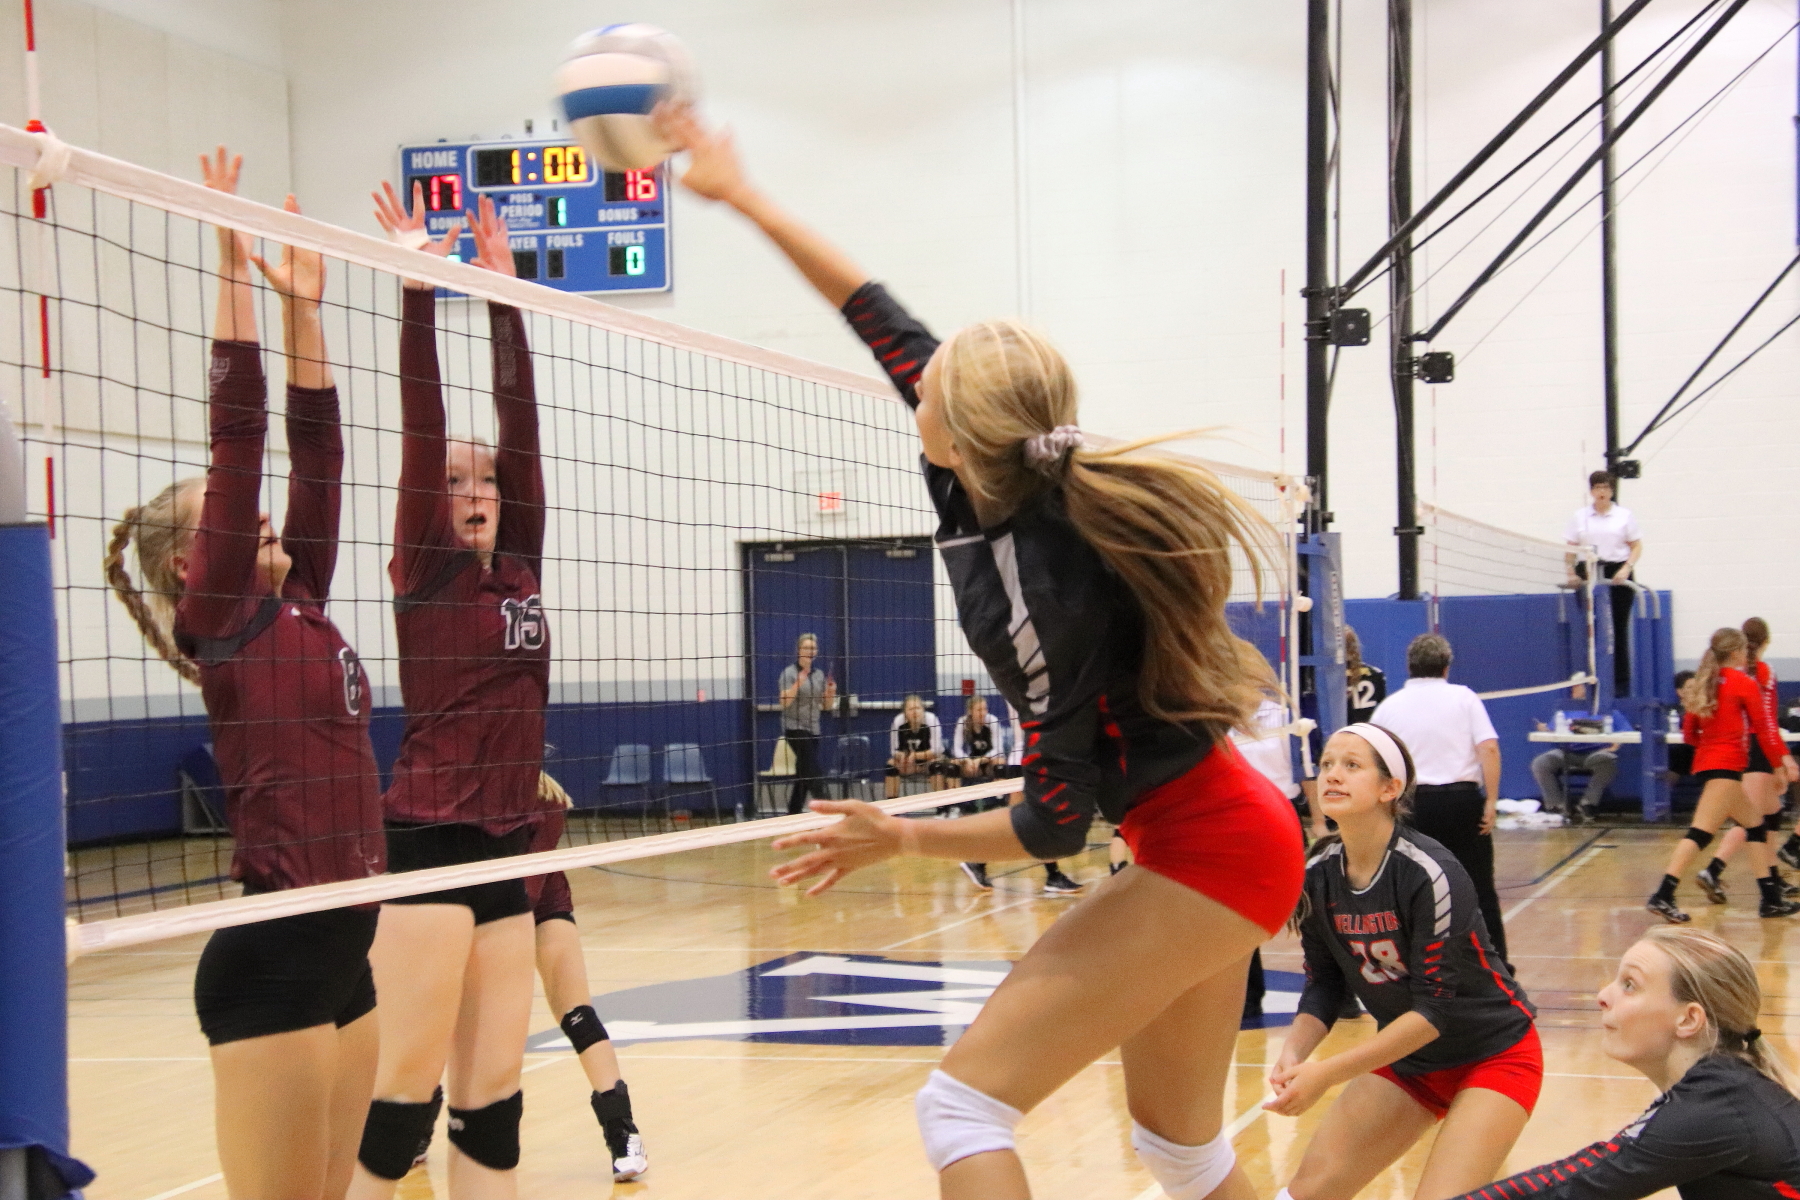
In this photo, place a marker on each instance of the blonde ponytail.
(1167, 527)
(161, 533)
(1711, 972)
(1700, 695)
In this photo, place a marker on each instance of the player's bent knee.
(394, 1132)
(1699, 837)
(489, 1135)
(957, 1121)
(1185, 1172)
(581, 1025)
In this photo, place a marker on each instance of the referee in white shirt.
(1613, 533)
(1457, 756)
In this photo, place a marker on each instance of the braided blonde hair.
(162, 530)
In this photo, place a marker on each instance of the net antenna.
(1461, 556)
(668, 454)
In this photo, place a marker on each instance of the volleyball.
(610, 80)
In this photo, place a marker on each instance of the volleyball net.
(706, 503)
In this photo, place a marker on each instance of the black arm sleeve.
(1683, 1141)
(1326, 987)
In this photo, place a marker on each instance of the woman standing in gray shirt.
(805, 693)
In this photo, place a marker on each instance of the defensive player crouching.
(1390, 915)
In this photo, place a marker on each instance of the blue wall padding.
(34, 1053)
(1385, 627)
(1502, 642)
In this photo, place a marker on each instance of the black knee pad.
(1757, 833)
(1772, 823)
(394, 1133)
(489, 1135)
(613, 1104)
(581, 1025)
(1699, 837)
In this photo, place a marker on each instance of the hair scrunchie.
(1750, 1036)
(1046, 451)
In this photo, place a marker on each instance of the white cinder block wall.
(1158, 191)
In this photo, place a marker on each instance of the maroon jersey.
(549, 893)
(285, 694)
(474, 642)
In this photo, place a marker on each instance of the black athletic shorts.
(1758, 760)
(416, 847)
(1703, 776)
(286, 974)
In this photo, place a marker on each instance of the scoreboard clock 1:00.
(574, 226)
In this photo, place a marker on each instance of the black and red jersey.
(1412, 941)
(1722, 741)
(286, 698)
(1725, 1131)
(474, 641)
(1061, 634)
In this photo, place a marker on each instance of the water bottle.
(1607, 723)
(1675, 722)
(1562, 721)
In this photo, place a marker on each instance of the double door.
(872, 607)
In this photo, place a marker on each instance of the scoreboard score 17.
(574, 226)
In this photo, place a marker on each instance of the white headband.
(1385, 745)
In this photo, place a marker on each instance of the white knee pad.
(1185, 1172)
(956, 1121)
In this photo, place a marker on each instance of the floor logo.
(832, 999)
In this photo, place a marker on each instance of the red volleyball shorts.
(1516, 1073)
(1223, 830)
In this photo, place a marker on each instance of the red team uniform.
(1743, 717)
(474, 642)
(288, 704)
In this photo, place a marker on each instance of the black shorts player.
(1725, 1131)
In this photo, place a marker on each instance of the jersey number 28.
(1381, 962)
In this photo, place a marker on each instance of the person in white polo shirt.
(1613, 533)
(1456, 754)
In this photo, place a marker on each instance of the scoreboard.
(574, 226)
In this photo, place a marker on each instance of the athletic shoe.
(1667, 911)
(1778, 908)
(626, 1148)
(1789, 890)
(1708, 879)
(1058, 884)
(1790, 854)
(977, 873)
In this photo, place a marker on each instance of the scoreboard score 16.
(574, 226)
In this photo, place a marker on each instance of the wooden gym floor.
(819, 1104)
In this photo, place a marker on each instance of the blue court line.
(167, 887)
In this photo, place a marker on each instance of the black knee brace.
(1772, 822)
(489, 1135)
(1699, 837)
(1757, 833)
(394, 1133)
(581, 1025)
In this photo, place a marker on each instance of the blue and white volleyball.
(610, 80)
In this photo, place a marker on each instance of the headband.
(1385, 745)
(1046, 450)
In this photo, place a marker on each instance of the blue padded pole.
(34, 1056)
